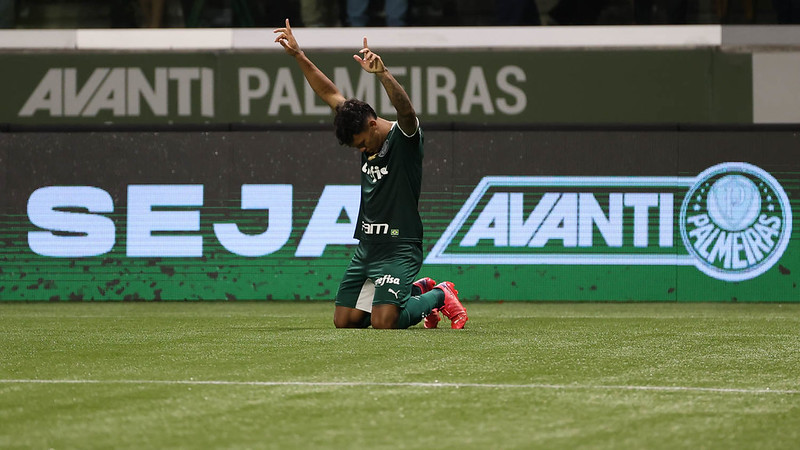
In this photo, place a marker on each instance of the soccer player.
(377, 286)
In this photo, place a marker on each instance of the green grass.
(522, 375)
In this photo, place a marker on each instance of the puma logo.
(396, 293)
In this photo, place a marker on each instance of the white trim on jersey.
(404, 133)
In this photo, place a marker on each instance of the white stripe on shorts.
(364, 302)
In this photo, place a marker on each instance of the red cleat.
(452, 309)
(424, 284)
(432, 319)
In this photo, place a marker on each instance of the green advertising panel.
(614, 215)
(462, 86)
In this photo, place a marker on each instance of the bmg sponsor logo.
(734, 222)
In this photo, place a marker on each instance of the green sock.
(418, 307)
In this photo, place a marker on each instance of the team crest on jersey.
(384, 149)
(736, 221)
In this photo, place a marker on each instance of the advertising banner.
(457, 86)
(518, 215)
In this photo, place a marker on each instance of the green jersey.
(390, 188)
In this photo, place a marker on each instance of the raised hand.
(287, 40)
(369, 61)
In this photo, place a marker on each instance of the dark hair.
(351, 117)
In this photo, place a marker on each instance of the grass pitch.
(278, 375)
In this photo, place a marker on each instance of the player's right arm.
(320, 83)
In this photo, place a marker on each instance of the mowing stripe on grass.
(418, 385)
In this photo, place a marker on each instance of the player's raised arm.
(320, 83)
(372, 63)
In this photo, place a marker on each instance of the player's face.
(368, 141)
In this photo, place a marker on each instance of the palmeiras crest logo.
(736, 221)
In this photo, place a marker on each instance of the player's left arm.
(406, 115)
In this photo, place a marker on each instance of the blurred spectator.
(577, 12)
(788, 11)
(319, 13)
(516, 12)
(722, 9)
(152, 13)
(673, 12)
(8, 15)
(647, 12)
(123, 14)
(395, 10)
(620, 12)
(238, 13)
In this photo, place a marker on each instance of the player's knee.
(344, 322)
(382, 323)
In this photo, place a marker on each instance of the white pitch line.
(418, 385)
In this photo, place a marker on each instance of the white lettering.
(75, 100)
(491, 224)
(143, 221)
(590, 213)
(521, 100)
(641, 204)
(47, 95)
(366, 85)
(561, 223)
(184, 76)
(522, 233)
(387, 279)
(476, 93)
(248, 93)
(275, 198)
(324, 228)
(88, 234)
(110, 95)
(445, 91)
(666, 219)
(207, 92)
(722, 250)
(138, 87)
(284, 94)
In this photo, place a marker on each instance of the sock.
(418, 307)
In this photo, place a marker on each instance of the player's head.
(356, 126)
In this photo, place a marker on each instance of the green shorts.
(380, 274)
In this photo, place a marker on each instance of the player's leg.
(355, 295)
(394, 285)
(423, 286)
(425, 306)
(344, 317)
(384, 316)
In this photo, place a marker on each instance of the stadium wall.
(561, 163)
(511, 213)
